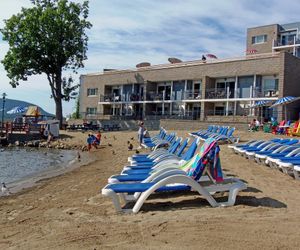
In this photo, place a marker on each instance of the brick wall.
(267, 65)
(292, 84)
(270, 30)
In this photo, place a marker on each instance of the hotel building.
(200, 89)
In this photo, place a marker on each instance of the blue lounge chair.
(142, 173)
(291, 151)
(229, 136)
(180, 181)
(150, 158)
(260, 157)
(171, 160)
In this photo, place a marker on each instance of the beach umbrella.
(251, 51)
(211, 56)
(284, 101)
(17, 110)
(260, 104)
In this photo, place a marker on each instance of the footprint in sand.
(94, 200)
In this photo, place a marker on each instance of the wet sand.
(68, 211)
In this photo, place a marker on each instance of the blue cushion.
(278, 155)
(138, 171)
(139, 167)
(144, 164)
(142, 187)
(141, 160)
(132, 177)
(293, 160)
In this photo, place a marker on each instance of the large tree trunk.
(58, 98)
(56, 84)
(58, 111)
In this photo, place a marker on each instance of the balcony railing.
(214, 93)
(219, 93)
(153, 96)
(121, 98)
(277, 43)
(185, 95)
(266, 93)
(174, 96)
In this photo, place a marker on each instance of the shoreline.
(33, 180)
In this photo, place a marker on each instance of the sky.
(125, 33)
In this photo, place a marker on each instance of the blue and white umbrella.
(284, 101)
(17, 110)
(260, 103)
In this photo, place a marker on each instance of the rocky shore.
(67, 141)
(57, 144)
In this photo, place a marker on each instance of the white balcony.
(278, 46)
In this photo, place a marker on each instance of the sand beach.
(68, 211)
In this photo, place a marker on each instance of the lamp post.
(3, 106)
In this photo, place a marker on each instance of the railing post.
(114, 99)
(294, 49)
(251, 96)
(227, 102)
(163, 103)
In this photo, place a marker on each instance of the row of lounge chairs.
(160, 140)
(184, 166)
(220, 133)
(283, 154)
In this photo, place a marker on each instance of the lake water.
(19, 163)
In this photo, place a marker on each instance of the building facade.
(198, 89)
(274, 38)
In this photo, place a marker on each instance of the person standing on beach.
(49, 138)
(90, 141)
(98, 139)
(141, 133)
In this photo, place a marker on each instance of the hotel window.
(259, 39)
(244, 86)
(178, 89)
(92, 92)
(270, 86)
(91, 111)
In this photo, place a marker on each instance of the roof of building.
(188, 63)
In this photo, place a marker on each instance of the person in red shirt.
(98, 139)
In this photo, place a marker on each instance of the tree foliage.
(76, 114)
(47, 38)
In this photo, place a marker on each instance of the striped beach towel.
(208, 156)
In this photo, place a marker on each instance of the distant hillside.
(10, 104)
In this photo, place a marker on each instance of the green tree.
(76, 114)
(47, 38)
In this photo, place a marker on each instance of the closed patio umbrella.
(284, 101)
